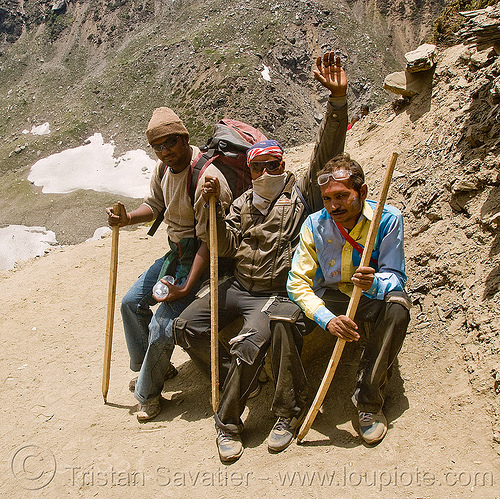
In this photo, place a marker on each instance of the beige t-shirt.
(171, 192)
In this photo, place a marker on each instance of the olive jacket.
(262, 245)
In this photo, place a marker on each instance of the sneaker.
(172, 372)
(149, 410)
(372, 426)
(283, 433)
(229, 445)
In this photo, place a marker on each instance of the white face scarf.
(266, 189)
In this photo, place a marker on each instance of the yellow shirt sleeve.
(301, 276)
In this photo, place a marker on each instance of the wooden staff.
(353, 305)
(214, 303)
(111, 305)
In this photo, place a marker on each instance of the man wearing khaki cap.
(148, 334)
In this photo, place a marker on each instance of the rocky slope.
(447, 185)
(96, 66)
(103, 66)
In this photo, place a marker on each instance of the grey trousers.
(239, 367)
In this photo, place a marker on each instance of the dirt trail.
(57, 431)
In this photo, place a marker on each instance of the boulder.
(403, 83)
(481, 59)
(421, 59)
(495, 91)
(59, 6)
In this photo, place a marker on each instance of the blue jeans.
(149, 335)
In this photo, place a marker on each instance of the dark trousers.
(381, 345)
(239, 367)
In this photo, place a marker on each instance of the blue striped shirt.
(325, 260)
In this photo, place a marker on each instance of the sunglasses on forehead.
(337, 175)
(259, 166)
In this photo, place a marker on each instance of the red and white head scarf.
(271, 147)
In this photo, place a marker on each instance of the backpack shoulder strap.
(198, 166)
(302, 199)
(164, 166)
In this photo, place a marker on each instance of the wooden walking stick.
(214, 304)
(111, 305)
(353, 305)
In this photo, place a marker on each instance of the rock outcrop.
(482, 28)
(417, 74)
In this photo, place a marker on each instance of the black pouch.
(283, 309)
(399, 297)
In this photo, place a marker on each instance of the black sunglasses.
(169, 143)
(258, 166)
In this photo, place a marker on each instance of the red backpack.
(227, 150)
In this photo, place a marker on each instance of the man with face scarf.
(261, 233)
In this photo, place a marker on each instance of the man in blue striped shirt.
(325, 268)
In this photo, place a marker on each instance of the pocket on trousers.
(179, 332)
(248, 347)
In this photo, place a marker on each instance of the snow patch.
(265, 73)
(18, 243)
(92, 166)
(99, 233)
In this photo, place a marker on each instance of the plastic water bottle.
(160, 289)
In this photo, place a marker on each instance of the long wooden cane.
(353, 305)
(214, 304)
(111, 306)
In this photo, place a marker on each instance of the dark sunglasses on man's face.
(168, 144)
(258, 166)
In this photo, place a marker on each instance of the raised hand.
(331, 74)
